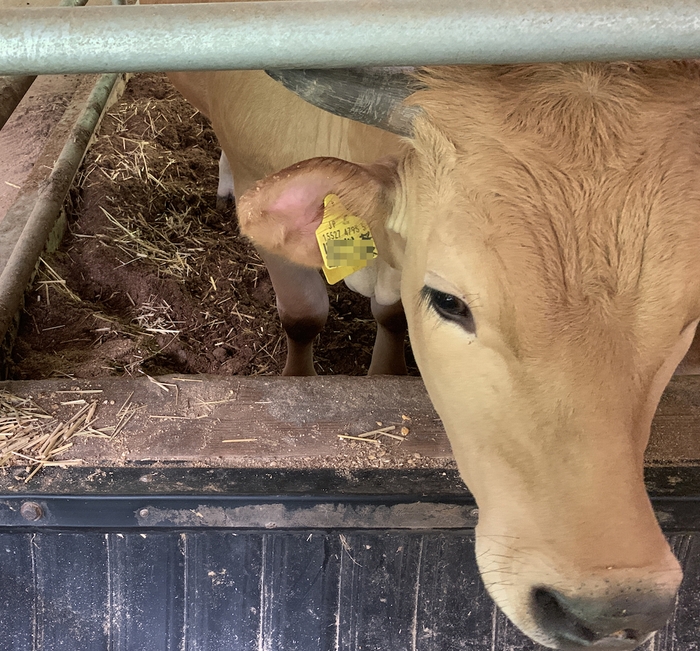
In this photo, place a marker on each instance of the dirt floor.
(150, 277)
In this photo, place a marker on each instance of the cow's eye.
(449, 307)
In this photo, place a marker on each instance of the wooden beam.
(294, 422)
(251, 421)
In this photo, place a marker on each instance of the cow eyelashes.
(449, 308)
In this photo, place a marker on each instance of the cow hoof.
(393, 367)
(299, 371)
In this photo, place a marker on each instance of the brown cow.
(546, 223)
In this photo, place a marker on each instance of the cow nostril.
(622, 621)
(553, 616)
(563, 619)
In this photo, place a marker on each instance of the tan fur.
(292, 130)
(577, 165)
(563, 203)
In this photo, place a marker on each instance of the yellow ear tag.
(345, 241)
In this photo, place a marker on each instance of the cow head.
(546, 221)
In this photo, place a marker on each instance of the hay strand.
(29, 434)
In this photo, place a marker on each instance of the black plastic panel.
(281, 591)
(284, 561)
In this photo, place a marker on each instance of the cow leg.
(388, 356)
(302, 303)
(225, 195)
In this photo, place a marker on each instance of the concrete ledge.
(276, 422)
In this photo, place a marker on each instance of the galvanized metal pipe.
(19, 268)
(334, 33)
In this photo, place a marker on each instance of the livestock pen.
(209, 512)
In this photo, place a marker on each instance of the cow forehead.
(537, 270)
(578, 240)
(596, 107)
(608, 222)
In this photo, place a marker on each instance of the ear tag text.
(345, 241)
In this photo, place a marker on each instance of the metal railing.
(27, 245)
(331, 33)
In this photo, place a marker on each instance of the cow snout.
(623, 622)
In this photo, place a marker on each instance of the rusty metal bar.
(17, 273)
(12, 90)
(332, 33)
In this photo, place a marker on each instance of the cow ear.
(282, 212)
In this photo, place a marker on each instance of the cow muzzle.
(623, 622)
(569, 605)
